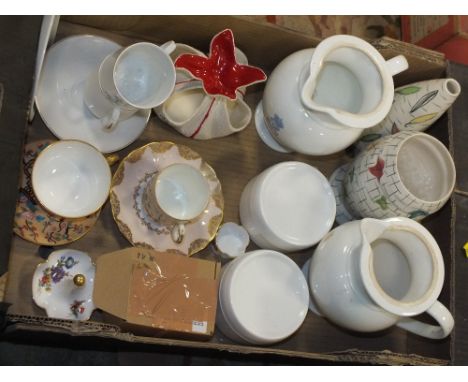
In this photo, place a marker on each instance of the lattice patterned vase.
(415, 108)
(407, 174)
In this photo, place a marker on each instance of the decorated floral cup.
(176, 196)
(407, 174)
(71, 179)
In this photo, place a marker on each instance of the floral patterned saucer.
(63, 285)
(131, 178)
(32, 222)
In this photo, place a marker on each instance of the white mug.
(140, 76)
(288, 207)
(177, 195)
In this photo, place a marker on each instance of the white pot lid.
(297, 203)
(269, 295)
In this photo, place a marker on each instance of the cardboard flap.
(158, 290)
(112, 281)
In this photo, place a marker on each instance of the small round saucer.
(32, 222)
(60, 93)
(263, 132)
(336, 182)
(63, 285)
(129, 181)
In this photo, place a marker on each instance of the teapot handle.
(440, 313)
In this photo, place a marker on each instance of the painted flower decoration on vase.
(220, 73)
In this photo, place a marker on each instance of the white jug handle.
(440, 313)
(168, 47)
(397, 64)
(109, 122)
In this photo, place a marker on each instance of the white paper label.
(199, 326)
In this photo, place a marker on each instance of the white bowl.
(71, 179)
(232, 240)
(288, 207)
(263, 298)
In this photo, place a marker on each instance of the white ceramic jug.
(318, 101)
(371, 274)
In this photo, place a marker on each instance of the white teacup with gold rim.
(177, 195)
(71, 179)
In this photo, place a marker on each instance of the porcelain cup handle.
(178, 233)
(397, 64)
(168, 47)
(440, 313)
(109, 122)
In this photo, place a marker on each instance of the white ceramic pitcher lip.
(369, 279)
(363, 120)
(452, 168)
(173, 71)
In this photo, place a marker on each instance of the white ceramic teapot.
(318, 101)
(371, 274)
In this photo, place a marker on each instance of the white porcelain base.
(336, 182)
(263, 132)
(305, 272)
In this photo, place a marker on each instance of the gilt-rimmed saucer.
(37, 225)
(60, 95)
(131, 178)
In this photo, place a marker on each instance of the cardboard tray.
(236, 159)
